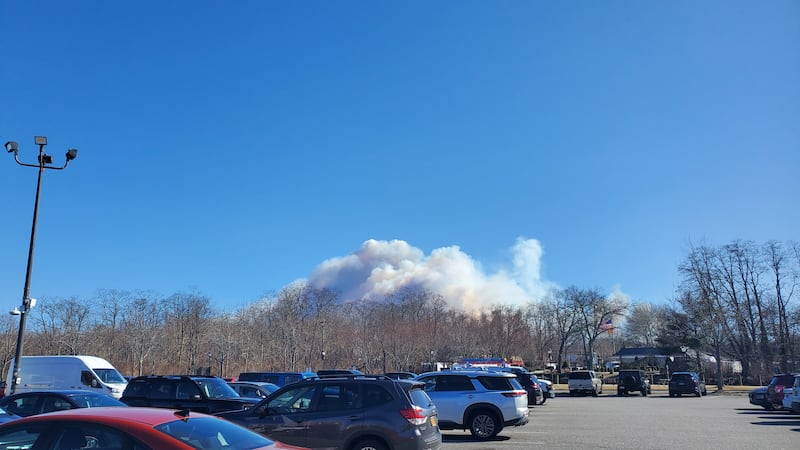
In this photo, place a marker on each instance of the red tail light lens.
(415, 415)
(514, 394)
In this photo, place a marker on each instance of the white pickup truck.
(585, 382)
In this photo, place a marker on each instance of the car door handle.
(354, 417)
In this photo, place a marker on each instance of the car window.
(23, 406)
(419, 397)
(375, 395)
(187, 390)
(136, 389)
(336, 397)
(162, 389)
(453, 383)
(580, 375)
(13, 438)
(51, 403)
(215, 388)
(499, 383)
(292, 400)
(85, 435)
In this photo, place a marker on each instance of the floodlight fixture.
(12, 146)
(40, 140)
(15, 311)
(72, 154)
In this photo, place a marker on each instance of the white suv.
(585, 382)
(482, 402)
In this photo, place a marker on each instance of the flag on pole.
(607, 326)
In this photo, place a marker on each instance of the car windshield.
(216, 388)
(110, 376)
(207, 433)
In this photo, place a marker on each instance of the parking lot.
(718, 421)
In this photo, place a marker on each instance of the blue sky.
(230, 148)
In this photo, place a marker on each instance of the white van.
(41, 373)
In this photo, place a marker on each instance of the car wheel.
(594, 392)
(369, 444)
(572, 393)
(484, 425)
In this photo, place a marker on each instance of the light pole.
(322, 352)
(27, 301)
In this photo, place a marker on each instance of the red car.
(130, 428)
(776, 387)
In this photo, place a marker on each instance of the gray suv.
(480, 401)
(347, 412)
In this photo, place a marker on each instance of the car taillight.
(414, 416)
(514, 394)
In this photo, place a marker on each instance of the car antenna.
(183, 414)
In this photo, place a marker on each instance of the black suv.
(347, 412)
(197, 393)
(632, 381)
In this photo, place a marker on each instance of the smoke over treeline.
(381, 267)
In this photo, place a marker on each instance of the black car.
(758, 397)
(347, 413)
(31, 403)
(632, 381)
(531, 384)
(196, 393)
(686, 383)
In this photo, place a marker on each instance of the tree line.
(734, 302)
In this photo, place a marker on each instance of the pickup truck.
(585, 382)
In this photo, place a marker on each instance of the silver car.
(480, 401)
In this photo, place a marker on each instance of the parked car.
(32, 403)
(794, 398)
(528, 381)
(277, 378)
(629, 380)
(196, 393)
(400, 375)
(480, 401)
(585, 382)
(347, 413)
(681, 383)
(758, 397)
(779, 388)
(253, 389)
(130, 428)
(548, 390)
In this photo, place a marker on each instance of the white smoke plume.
(379, 268)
